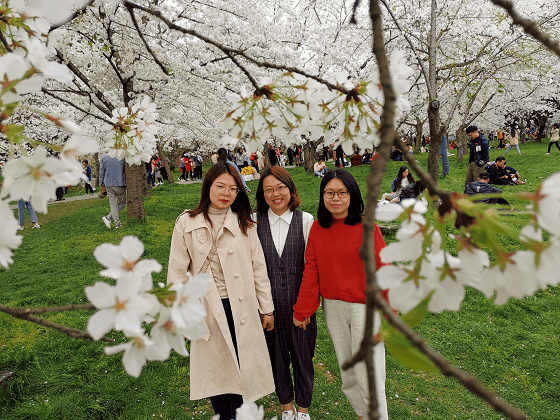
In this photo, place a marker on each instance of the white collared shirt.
(280, 225)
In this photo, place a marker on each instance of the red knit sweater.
(333, 268)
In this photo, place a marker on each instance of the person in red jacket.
(335, 271)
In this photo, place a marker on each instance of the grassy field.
(513, 349)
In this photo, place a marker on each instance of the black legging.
(227, 404)
(550, 145)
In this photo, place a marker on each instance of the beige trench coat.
(214, 369)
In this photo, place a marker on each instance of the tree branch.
(135, 23)
(67, 102)
(446, 368)
(528, 26)
(21, 313)
(72, 16)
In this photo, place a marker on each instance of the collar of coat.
(231, 223)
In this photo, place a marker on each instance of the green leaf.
(418, 313)
(402, 350)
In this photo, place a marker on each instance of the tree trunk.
(522, 131)
(97, 168)
(435, 142)
(135, 183)
(419, 126)
(462, 142)
(542, 126)
(310, 154)
(165, 163)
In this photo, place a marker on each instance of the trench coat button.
(240, 298)
(230, 251)
(242, 321)
(236, 275)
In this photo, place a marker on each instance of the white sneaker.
(547, 153)
(20, 227)
(106, 221)
(288, 415)
(303, 416)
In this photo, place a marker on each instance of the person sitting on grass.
(412, 191)
(500, 174)
(402, 180)
(320, 169)
(482, 187)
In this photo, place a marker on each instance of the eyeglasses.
(223, 189)
(270, 191)
(342, 194)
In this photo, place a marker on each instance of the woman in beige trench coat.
(231, 363)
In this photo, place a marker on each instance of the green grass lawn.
(513, 349)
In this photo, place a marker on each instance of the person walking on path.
(513, 143)
(112, 179)
(283, 231)
(21, 214)
(87, 173)
(479, 156)
(197, 174)
(554, 138)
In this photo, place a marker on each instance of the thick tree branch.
(22, 313)
(244, 70)
(230, 51)
(528, 26)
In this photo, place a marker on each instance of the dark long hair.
(241, 204)
(222, 155)
(284, 177)
(400, 176)
(356, 207)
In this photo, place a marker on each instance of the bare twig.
(141, 35)
(244, 70)
(528, 26)
(24, 311)
(228, 50)
(5, 42)
(20, 313)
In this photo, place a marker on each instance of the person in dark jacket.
(482, 187)
(413, 190)
(501, 174)
(478, 157)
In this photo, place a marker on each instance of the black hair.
(284, 177)
(222, 155)
(471, 129)
(400, 176)
(418, 187)
(484, 175)
(356, 207)
(500, 158)
(85, 160)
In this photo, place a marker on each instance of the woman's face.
(276, 194)
(223, 192)
(336, 205)
(405, 173)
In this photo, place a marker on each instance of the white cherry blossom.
(188, 312)
(9, 239)
(124, 259)
(137, 352)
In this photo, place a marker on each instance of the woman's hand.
(267, 322)
(301, 324)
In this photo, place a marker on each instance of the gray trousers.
(346, 323)
(117, 201)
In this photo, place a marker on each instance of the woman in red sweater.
(334, 271)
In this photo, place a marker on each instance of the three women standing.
(283, 231)
(218, 237)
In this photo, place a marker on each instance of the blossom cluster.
(422, 266)
(304, 107)
(174, 312)
(133, 136)
(248, 411)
